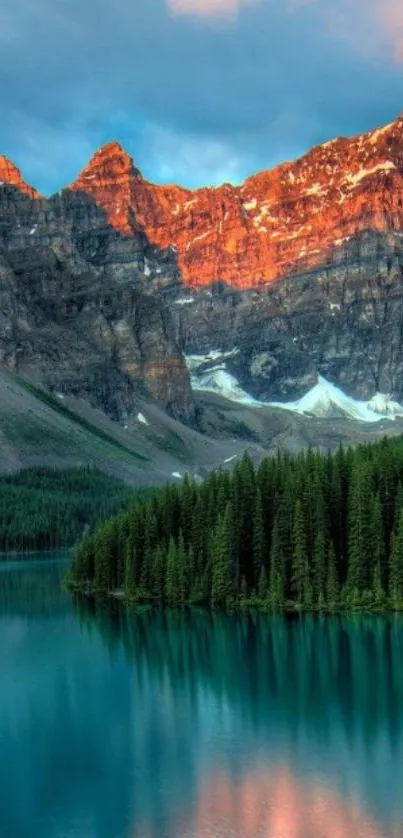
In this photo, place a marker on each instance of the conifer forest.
(316, 532)
(46, 508)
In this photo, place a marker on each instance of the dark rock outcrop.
(73, 307)
(343, 320)
(300, 269)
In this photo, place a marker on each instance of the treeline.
(44, 509)
(315, 531)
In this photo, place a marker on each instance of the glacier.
(324, 401)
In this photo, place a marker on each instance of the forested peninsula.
(313, 532)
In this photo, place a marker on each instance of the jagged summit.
(280, 222)
(111, 156)
(10, 173)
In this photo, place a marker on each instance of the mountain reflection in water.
(295, 726)
(194, 724)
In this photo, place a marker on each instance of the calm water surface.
(122, 725)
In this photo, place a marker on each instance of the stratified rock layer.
(278, 222)
(300, 269)
(73, 309)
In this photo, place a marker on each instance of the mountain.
(63, 431)
(283, 295)
(277, 223)
(299, 269)
(76, 312)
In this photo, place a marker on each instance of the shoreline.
(234, 607)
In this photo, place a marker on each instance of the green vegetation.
(43, 509)
(81, 423)
(314, 532)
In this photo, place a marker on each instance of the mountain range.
(116, 290)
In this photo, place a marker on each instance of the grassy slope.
(37, 428)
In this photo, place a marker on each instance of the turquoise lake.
(116, 724)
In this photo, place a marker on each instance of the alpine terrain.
(269, 313)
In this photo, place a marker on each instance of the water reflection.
(115, 724)
(317, 702)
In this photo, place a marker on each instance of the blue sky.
(198, 91)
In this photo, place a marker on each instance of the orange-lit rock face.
(276, 805)
(276, 223)
(12, 175)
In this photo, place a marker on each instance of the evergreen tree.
(259, 540)
(360, 529)
(262, 586)
(221, 588)
(300, 570)
(171, 576)
(333, 584)
(396, 566)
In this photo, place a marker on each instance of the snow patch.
(250, 205)
(354, 179)
(177, 474)
(383, 404)
(147, 268)
(325, 400)
(379, 132)
(184, 301)
(193, 362)
(218, 380)
(316, 189)
(141, 418)
(34, 229)
(230, 459)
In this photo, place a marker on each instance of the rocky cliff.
(277, 223)
(297, 272)
(73, 309)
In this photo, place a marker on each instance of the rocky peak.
(111, 161)
(279, 222)
(108, 180)
(10, 174)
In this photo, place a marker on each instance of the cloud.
(193, 103)
(171, 155)
(206, 8)
(389, 16)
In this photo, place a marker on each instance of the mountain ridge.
(94, 282)
(277, 222)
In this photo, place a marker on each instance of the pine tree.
(300, 571)
(171, 576)
(221, 588)
(360, 530)
(130, 584)
(259, 540)
(183, 581)
(262, 586)
(319, 568)
(332, 582)
(277, 573)
(396, 566)
(158, 573)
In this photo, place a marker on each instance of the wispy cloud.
(372, 26)
(208, 8)
(389, 16)
(198, 91)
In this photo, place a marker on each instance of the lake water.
(122, 725)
